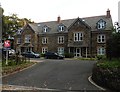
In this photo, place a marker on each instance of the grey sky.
(49, 10)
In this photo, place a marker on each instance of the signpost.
(7, 47)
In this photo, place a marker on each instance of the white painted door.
(77, 52)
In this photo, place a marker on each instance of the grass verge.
(11, 69)
(109, 64)
(92, 59)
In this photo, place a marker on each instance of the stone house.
(84, 37)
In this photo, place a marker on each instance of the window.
(44, 50)
(101, 24)
(19, 31)
(78, 36)
(60, 50)
(60, 39)
(101, 51)
(27, 38)
(101, 38)
(18, 40)
(61, 28)
(45, 29)
(44, 40)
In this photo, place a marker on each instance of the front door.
(77, 52)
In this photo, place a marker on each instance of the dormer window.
(101, 24)
(61, 28)
(19, 31)
(45, 29)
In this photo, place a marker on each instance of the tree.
(11, 24)
(113, 46)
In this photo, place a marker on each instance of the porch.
(80, 51)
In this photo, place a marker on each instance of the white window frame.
(101, 38)
(60, 39)
(61, 50)
(78, 36)
(45, 29)
(101, 51)
(18, 40)
(44, 50)
(27, 38)
(44, 40)
(101, 24)
(19, 31)
(61, 28)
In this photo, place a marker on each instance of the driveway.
(55, 74)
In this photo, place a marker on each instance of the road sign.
(7, 44)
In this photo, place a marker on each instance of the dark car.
(52, 55)
(31, 54)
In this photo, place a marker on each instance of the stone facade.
(84, 37)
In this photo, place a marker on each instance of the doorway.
(77, 52)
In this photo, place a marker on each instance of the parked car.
(31, 54)
(11, 52)
(52, 55)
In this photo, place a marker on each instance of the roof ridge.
(71, 19)
(45, 22)
(94, 16)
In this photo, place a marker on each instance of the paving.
(54, 74)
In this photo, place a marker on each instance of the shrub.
(107, 74)
(69, 55)
(42, 55)
(15, 60)
(101, 57)
(10, 63)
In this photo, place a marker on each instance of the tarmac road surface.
(55, 74)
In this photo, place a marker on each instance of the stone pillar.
(69, 49)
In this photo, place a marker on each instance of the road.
(55, 74)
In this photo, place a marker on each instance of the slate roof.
(53, 25)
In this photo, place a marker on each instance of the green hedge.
(107, 74)
(42, 55)
(69, 55)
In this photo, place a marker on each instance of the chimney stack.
(58, 19)
(108, 15)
